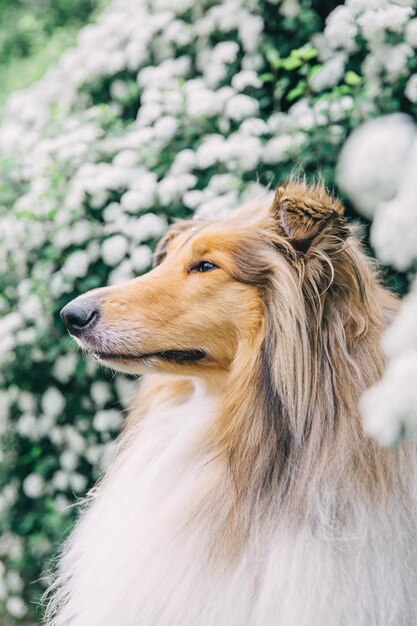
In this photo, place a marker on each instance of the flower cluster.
(378, 169)
(163, 109)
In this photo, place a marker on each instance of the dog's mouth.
(172, 356)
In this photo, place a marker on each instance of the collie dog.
(244, 491)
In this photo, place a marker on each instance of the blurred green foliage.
(33, 34)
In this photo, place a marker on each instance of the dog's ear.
(178, 227)
(302, 213)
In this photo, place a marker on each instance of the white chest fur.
(139, 555)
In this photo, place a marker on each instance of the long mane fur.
(292, 422)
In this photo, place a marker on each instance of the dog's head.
(210, 286)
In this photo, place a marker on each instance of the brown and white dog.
(244, 491)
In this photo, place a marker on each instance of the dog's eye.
(203, 266)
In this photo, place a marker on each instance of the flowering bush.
(164, 108)
(378, 169)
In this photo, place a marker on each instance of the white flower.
(391, 405)
(93, 454)
(52, 402)
(372, 162)
(28, 426)
(68, 460)
(76, 264)
(26, 402)
(183, 162)
(10, 323)
(201, 101)
(171, 188)
(221, 183)
(411, 88)
(148, 226)
(254, 126)
(165, 127)
(374, 22)
(192, 198)
(221, 205)
(180, 33)
(401, 335)
(113, 213)
(16, 607)
(62, 504)
(244, 79)
(330, 74)
(279, 149)
(253, 61)
(214, 62)
(113, 250)
(14, 582)
(209, 151)
(163, 73)
(109, 419)
(64, 367)
(33, 485)
(45, 423)
(280, 123)
(119, 90)
(141, 258)
(290, 8)
(226, 51)
(359, 6)
(60, 481)
(411, 33)
(148, 113)
(396, 60)
(56, 435)
(74, 439)
(78, 482)
(394, 231)
(126, 158)
(302, 114)
(341, 29)
(31, 307)
(241, 151)
(340, 109)
(178, 6)
(214, 72)
(241, 106)
(250, 31)
(100, 392)
(142, 194)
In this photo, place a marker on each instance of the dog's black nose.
(79, 315)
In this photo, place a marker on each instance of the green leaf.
(314, 69)
(25, 215)
(267, 77)
(307, 53)
(291, 63)
(297, 91)
(352, 78)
